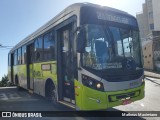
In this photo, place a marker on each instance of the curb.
(151, 76)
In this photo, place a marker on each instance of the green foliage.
(4, 81)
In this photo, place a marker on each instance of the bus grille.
(117, 97)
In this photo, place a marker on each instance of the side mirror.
(81, 42)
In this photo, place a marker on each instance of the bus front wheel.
(52, 95)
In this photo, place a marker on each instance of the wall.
(148, 55)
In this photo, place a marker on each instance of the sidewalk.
(151, 74)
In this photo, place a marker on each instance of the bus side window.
(49, 46)
(38, 49)
(9, 59)
(23, 54)
(19, 56)
(15, 57)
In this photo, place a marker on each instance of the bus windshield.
(111, 47)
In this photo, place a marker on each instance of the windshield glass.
(111, 47)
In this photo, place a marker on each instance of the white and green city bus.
(87, 57)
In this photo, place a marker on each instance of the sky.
(19, 18)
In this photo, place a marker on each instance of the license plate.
(125, 102)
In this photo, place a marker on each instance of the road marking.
(7, 87)
(24, 99)
(6, 96)
(3, 96)
(142, 104)
(13, 95)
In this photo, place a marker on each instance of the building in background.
(149, 26)
(156, 14)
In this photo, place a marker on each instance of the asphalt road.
(150, 103)
(13, 100)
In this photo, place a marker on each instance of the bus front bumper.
(97, 100)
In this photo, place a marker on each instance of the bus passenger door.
(30, 78)
(66, 76)
(12, 63)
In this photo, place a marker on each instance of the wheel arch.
(16, 80)
(48, 82)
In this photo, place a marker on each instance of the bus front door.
(66, 79)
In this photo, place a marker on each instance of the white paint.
(14, 96)
(142, 104)
(3, 96)
(8, 87)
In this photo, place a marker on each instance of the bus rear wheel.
(17, 83)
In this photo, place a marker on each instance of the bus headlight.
(92, 83)
(98, 85)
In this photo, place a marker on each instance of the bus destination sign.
(112, 17)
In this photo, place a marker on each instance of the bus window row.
(42, 50)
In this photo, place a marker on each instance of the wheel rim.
(53, 96)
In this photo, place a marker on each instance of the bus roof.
(69, 11)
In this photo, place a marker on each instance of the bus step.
(69, 100)
(30, 91)
(67, 104)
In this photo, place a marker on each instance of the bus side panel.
(9, 68)
(15, 72)
(9, 73)
(38, 79)
(50, 71)
(42, 72)
(20, 75)
(78, 94)
(31, 77)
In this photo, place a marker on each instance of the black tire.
(52, 95)
(17, 83)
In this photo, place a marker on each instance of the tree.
(4, 81)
